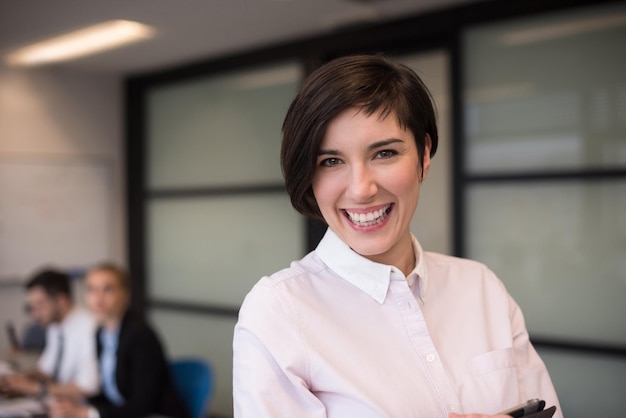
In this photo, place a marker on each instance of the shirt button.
(430, 358)
(453, 408)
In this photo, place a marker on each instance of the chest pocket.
(492, 361)
(495, 372)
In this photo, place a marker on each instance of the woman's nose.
(362, 185)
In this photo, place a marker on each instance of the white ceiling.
(190, 30)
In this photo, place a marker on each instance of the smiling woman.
(368, 190)
(356, 84)
(369, 324)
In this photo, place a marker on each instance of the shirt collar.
(420, 268)
(67, 321)
(110, 337)
(370, 277)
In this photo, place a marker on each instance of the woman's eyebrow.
(384, 143)
(328, 152)
(373, 146)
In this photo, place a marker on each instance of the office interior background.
(530, 177)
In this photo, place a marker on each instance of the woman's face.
(367, 183)
(105, 295)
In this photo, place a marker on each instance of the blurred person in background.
(67, 365)
(134, 372)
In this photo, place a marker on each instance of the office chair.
(193, 377)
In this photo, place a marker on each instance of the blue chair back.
(193, 377)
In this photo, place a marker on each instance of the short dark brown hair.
(53, 282)
(372, 83)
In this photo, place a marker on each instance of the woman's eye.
(385, 153)
(330, 162)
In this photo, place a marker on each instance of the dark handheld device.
(529, 407)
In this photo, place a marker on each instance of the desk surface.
(18, 407)
(22, 408)
(20, 361)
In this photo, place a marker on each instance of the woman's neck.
(112, 324)
(402, 256)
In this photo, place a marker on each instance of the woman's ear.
(426, 163)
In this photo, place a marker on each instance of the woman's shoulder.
(290, 283)
(136, 328)
(298, 272)
(444, 260)
(457, 268)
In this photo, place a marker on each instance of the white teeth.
(370, 218)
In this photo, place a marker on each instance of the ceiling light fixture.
(82, 42)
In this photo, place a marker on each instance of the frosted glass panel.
(213, 250)
(587, 386)
(560, 249)
(431, 223)
(220, 130)
(547, 93)
(206, 337)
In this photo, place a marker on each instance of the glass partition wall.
(533, 183)
(544, 184)
(218, 217)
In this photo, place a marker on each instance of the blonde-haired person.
(369, 324)
(134, 373)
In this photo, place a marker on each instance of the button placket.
(421, 340)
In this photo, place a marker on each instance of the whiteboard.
(54, 211)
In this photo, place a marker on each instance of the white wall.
(56, 112)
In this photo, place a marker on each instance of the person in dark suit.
(134, 373)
